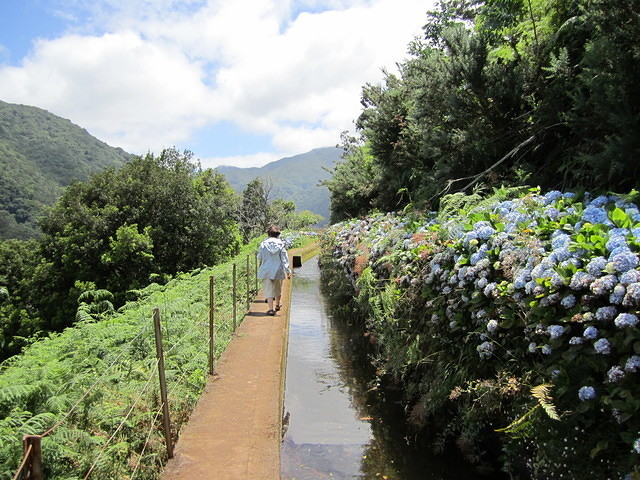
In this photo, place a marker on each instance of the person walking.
(274, 268)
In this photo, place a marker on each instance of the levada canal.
(337, 427)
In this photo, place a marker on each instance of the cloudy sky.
(237, 82)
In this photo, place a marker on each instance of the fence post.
(163, 383)
(234, 299)
(32, 445)
(212, 307)
(248, 286)
(256, 273)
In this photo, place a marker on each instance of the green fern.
(543, 395)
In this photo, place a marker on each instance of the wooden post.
(248, 286)
(234, 299)
(32, 445)
(163, 383)
(212, 306)
(256, 273)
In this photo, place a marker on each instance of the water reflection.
(339, 428)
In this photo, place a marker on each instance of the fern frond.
(543, 395)
(518, 424)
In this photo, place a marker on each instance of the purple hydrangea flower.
(581, 280)
(607, 313)
(569, 301)
(603, 285)
(626, 320)
(602, 346)
(632, 297)
(615, 374)
(633, 364)
(586, 393)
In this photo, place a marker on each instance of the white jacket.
(273, 258)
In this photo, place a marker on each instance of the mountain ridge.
(40, 154)
(296, 178)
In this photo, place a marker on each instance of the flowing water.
(336, 428)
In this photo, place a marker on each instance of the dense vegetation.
(510, 324)
(501, 92)
(40, 154)
(94, 387)
(112, 235)
(510, 320)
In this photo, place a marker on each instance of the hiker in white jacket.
(274, 268)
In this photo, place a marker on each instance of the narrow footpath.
(235, 430)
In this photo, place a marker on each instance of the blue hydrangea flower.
(626, 320)
(617, 296)
(581, 280)
(484, 229)
(603, 285)
(602, 346)
(552, 212)
(555, 331)
(629, 277)
(546, 349)
(559, 240)
(485, 349)
(532, 347)
(490, 289)
(616, 242)
(623, 261)
(615, 374)
(586, 393)
(632, 297)
(552, 197)
(590, 333)
(633, 364)
(575, 341)
(636, 445)
(594, 214)
(492, 326)
(596, 266)
(607, 313)
(569, 301)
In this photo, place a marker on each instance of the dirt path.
(235, 430)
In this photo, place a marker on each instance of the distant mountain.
(40, 153)
(294, 178)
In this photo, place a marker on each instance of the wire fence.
(192, 325)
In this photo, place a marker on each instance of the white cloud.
(161, 72)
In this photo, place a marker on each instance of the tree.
(254, 212)
(156, 215)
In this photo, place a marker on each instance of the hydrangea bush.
(513, 322)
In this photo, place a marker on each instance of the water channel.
(337, 429)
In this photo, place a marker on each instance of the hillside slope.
(40, 153)
(294, 178)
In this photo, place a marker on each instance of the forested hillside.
(295, 179)
(40, 153)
